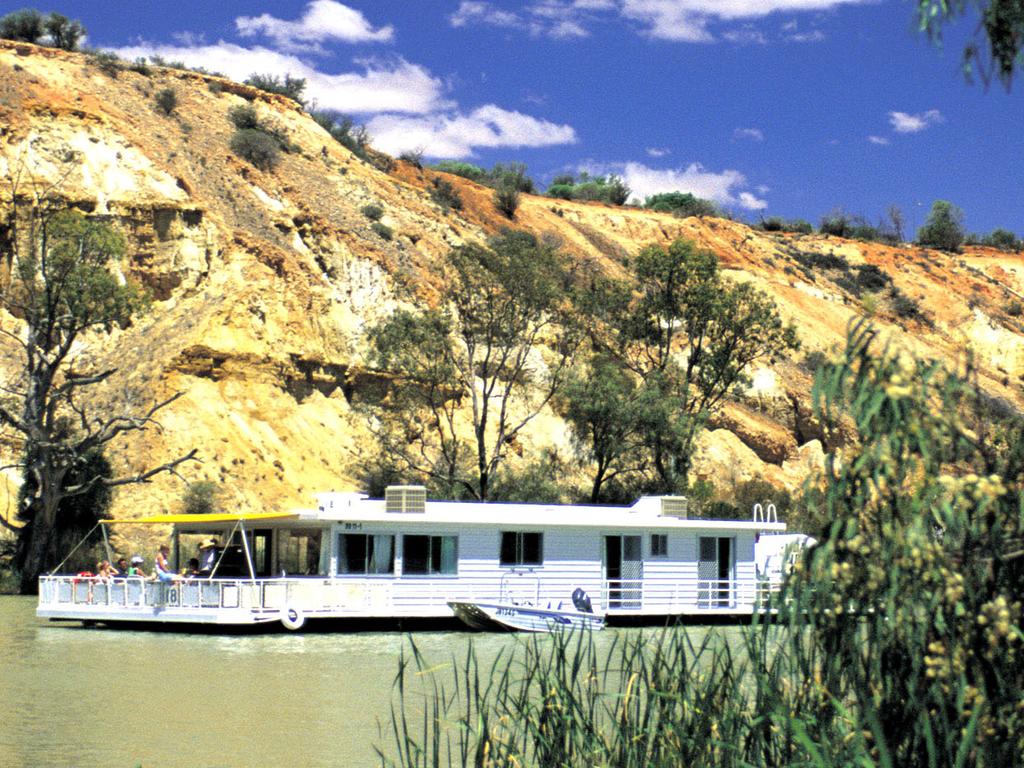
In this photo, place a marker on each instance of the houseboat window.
(659, 545)
(518, 548)
(424, 555)
(361, 553)
(298, 552)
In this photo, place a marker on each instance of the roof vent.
(405, 498)
(674, 506)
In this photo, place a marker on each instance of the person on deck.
(207, 555)
(122, 567)
(135, 570)
(164, 572)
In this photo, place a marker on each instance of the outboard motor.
(582, 601)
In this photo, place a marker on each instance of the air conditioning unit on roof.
(405, 498)
(674, 506)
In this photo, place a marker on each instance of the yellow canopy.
(203, 518)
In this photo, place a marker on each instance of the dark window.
(659, 545)
(518, 548)
(369, 554)
(424, 555)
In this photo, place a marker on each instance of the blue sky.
(770, 107)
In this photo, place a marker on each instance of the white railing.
(410, 596)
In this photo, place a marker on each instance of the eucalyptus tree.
(687, 337)
(58, 291)
(470, 374)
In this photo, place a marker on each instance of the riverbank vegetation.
(897, 640)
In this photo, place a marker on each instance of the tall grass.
(895, 642)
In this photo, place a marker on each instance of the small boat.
(523, 618)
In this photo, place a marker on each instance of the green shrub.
(106, 62)
(413, 156)
(506, 200)
(167, 101)
(1004, 240)
(904, 306)
(202, 498)
(944, 227)
(561, 191)
(1014, 308)
(871, 278)
(373, 212)
(607, 189)
(445, 195)
(465, 170)
(64, 33)
(779, 224)
(289, 87)
(682, 204)
(382, 229)
(26, 26)
(215, 86)
(355, 138)
(257, 147)
(141, 66)
(244, 117)
(511, 175)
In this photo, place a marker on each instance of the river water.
(71, 696)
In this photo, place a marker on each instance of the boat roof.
(645, 513)
(214, 517)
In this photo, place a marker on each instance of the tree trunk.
(39, 548)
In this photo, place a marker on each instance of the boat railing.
(653, 594)
(139, 593)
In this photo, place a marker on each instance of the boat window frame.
(519, 550)
(367, 574)
(661, 551)
(428, 573)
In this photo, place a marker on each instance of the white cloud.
(745, 35)
(478, 12)
(752, 203)
(902, 122)
(881, 140)
(322, 21)
(814, 36)
(382, 86)
(658, 152)
(559, 19)
(725, 187)
(750, 134)
(455, 134)
(688, 20)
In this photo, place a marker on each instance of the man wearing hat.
(207, 555)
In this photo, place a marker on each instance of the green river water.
(71, 696)
(115, 698)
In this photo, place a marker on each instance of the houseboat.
(404, 557)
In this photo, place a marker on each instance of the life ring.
(293, 618)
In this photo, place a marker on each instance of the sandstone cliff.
(264, 282)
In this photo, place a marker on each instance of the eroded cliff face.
(264, 283)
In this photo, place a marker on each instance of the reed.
(895, 642)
